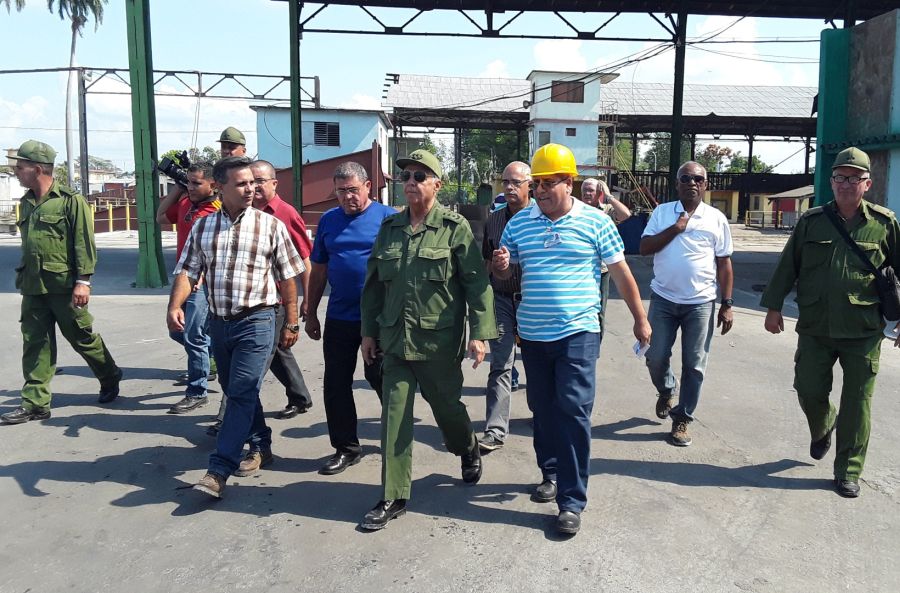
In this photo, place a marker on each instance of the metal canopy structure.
(489, 19)
(497, 16)
(500, 18)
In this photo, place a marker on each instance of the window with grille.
(326, 133)
(543, 138)
(564, 91)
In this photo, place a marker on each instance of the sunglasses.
(419, 176)
(547, 184)
(698, 179)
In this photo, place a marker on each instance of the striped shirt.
(561, 269)
(243, 259)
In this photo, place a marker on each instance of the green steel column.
(831, 124)
(294, 8)
(677, 100)
(151, 272)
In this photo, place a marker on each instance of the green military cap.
(852, 157)
(36, 152)
(423, 157)
(233, 135)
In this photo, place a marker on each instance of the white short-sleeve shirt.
(684, 271)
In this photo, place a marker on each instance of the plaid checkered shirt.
(243, 259)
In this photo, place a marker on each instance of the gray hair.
(224, 167)
(592, 181)
(689, 163)
(349, 169)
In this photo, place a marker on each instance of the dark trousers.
(285, 368)
(340, 346)
(561, 386)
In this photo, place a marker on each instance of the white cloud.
(726, 63)
(559, 55)
(360, 101)
(496, 69)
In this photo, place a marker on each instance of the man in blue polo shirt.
(344, 240)
(560, 244)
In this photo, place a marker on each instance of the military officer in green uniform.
(425, 271)
(54, 276)
(839, 316)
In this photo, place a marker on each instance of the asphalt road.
(94, 498)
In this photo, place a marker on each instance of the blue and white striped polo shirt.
(561, 269)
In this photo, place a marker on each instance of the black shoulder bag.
(885, 278)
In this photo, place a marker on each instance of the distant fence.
(773, 220)
(120, 214)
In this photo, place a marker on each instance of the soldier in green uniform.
(839, 316)
(424, 273)
(54, 276)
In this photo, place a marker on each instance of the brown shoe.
(212, 484)
(253, 461)
(680, 436)
(664, 406)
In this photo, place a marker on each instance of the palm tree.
(77, 11)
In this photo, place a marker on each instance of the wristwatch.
(294, 328)
(727, 302)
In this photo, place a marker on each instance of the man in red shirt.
(183, 209)
(284, 365)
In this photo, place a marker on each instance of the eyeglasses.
(547, 184)
(261, 180)
(512, 182)
(698, 179)
(343, 191)
(419, 176)
(852, 180)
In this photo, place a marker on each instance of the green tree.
(656, 158)
(623, 154)
(738, 164)
(77, 11)
(713, 157)
(207, 154)
(96, 163)
(61, 173)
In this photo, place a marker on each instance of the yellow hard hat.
(553, 159)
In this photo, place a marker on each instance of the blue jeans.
(242, 348)
(503, 356)
(196, 342)
(561, 386)
(697, 324)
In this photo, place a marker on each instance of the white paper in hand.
(890, 330)
(640, 351)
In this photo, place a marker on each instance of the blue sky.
(251, 36)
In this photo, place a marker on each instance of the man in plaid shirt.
(248, 257)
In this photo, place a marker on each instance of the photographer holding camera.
(191, 198)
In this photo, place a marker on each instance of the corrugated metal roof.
(417, 91)
(704, 99)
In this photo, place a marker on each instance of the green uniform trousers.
(40, 313)
(440, 382)
(813, 365)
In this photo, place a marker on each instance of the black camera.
(176, 168)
